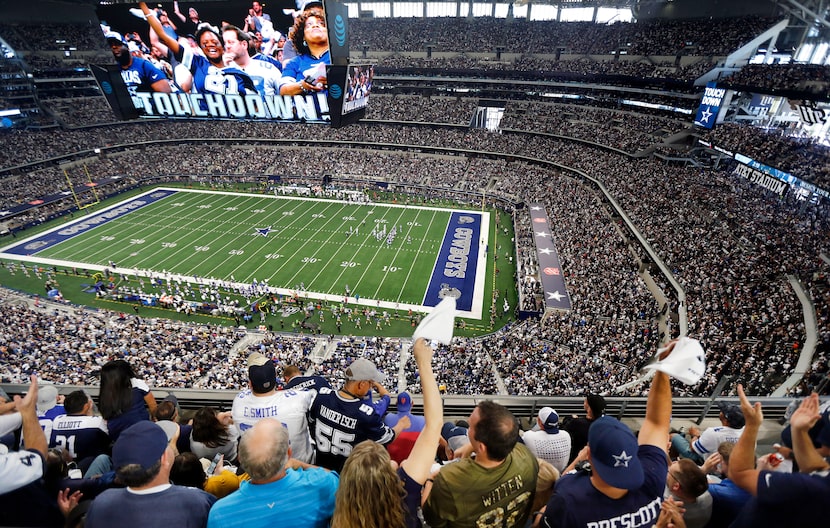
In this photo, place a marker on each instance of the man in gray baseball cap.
(341, 419)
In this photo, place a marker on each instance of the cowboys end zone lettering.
(314, 107)
(55, 236)
(455, 269)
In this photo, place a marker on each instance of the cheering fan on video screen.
(305, 73)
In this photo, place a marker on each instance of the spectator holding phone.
(305, 74)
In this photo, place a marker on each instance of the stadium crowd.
(661, 37)
(715, 298)
(746, 311)
(801, 157)
(734, 247)
(765, 77)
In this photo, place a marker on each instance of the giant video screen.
(231, 60)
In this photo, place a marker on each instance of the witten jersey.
(338, 424)
(82, 436)
(289, 407)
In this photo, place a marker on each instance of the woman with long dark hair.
(123, 399)
(213, 432)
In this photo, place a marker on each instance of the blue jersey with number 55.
(339, 423)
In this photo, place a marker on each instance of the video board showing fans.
(226, 60)
(358, 87)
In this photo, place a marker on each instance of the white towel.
(439, 324)
(687, 361)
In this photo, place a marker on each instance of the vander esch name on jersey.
(251, 106)
(645, 516)
(338, 418)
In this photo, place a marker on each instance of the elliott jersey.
(82, 436)
(289, 407)
(338, 424)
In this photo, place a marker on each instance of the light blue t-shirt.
(301, 499)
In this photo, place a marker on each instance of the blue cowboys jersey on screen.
(207, 78)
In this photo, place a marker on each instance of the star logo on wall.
(556, 296)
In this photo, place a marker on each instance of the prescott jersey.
(288, 406)
(576, 503)
(208, 78)
(338, 424)
(83, 436)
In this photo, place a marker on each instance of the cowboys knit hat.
(549, 419)
(614, 453)
(142, 444)
(362, 369)
(262, 373)
(404, 402)
(732, 413)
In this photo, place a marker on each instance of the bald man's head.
(263, 450)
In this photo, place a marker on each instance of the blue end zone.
(455, 270)
(56, 236)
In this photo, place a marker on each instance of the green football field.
(382, 254)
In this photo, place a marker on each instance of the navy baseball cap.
(262, 373)
(733, 414)
(549, 419)
(142, 443)
(449, 429)
(614, 453)
(823, 431)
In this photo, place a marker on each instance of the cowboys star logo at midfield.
(263, 230)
